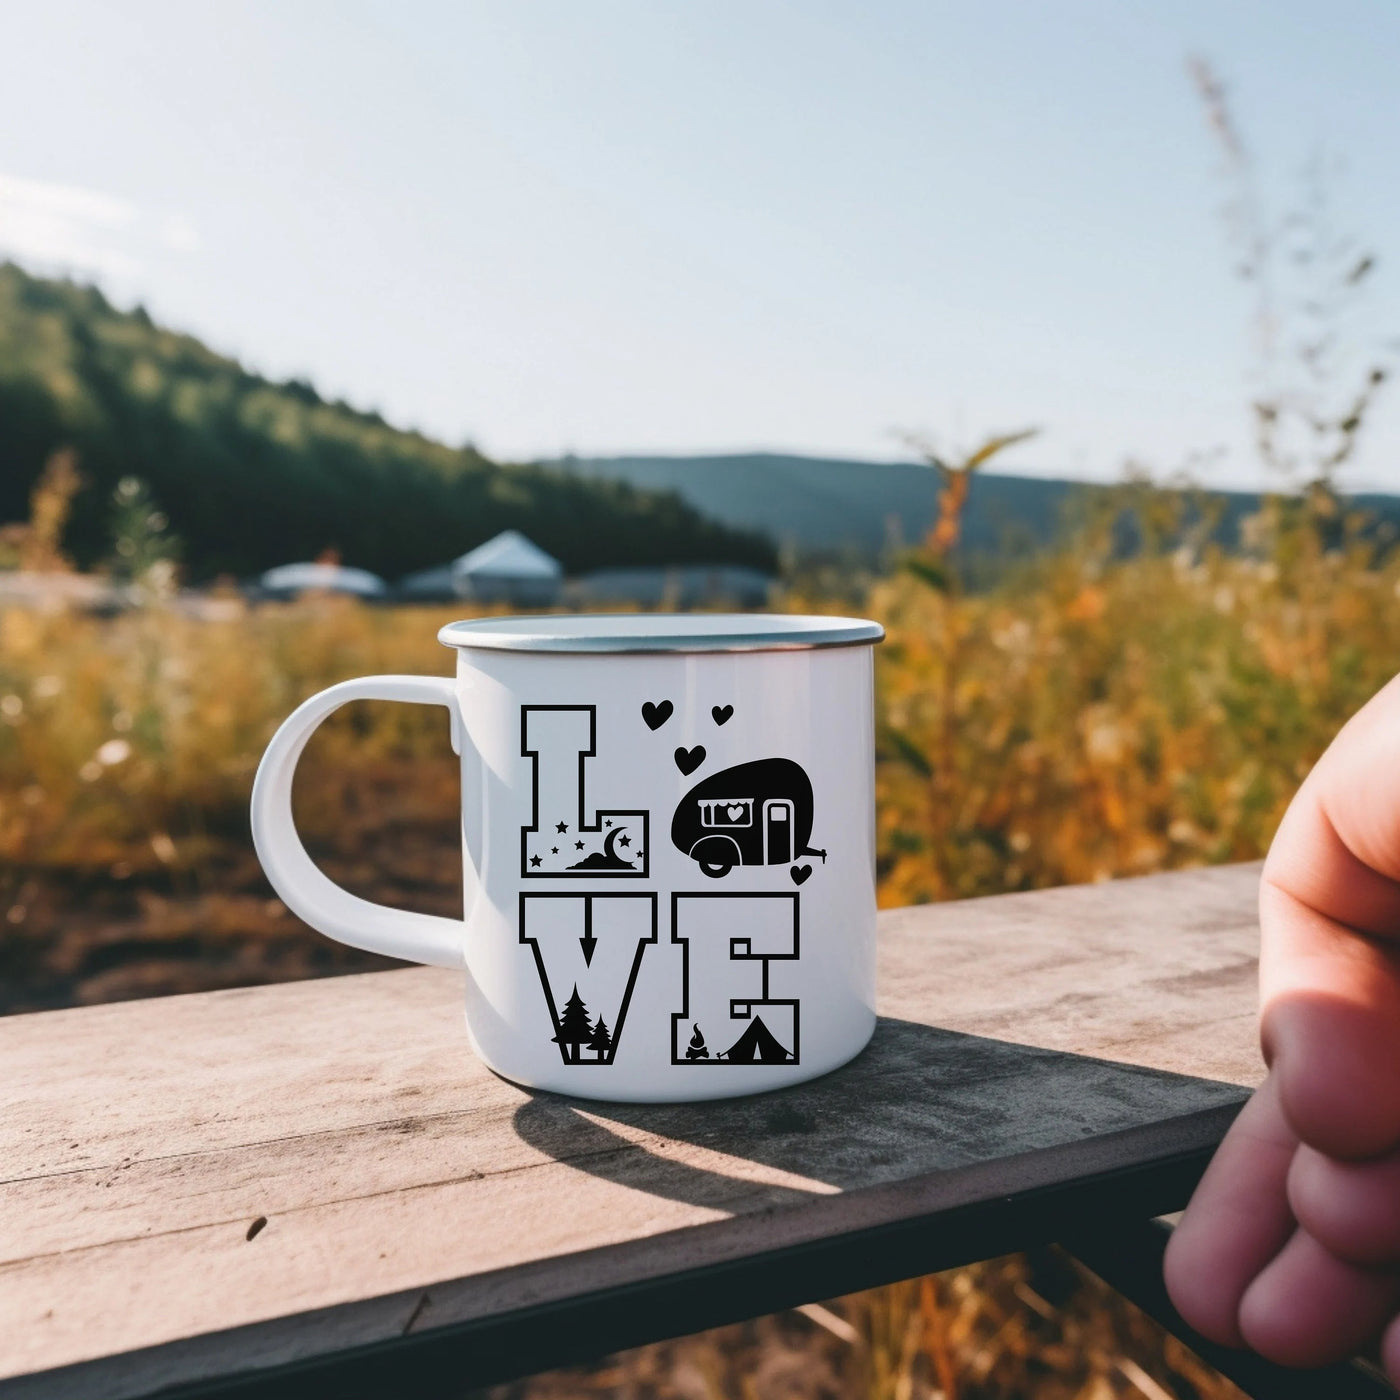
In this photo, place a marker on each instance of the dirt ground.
(137, 927)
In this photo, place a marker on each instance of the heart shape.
(799, 873)
(722, 713)
(688, 760)
(657, 715)
(734, 811)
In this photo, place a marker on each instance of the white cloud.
(66, 228)
(65, 201)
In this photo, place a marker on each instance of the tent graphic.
(757, 1046)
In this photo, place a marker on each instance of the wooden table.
(315, 1188)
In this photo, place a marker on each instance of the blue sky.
(636, 225)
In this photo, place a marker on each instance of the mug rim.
(613, 633)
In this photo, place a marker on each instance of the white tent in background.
(292, 580)
(506, 569)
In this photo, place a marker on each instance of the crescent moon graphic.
(608, 852)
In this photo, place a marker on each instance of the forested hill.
(253, 473)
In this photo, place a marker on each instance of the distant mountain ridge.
(816, 503)
(829, 505)
(253, 473)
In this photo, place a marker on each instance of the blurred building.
(292, 580)
(506, 569)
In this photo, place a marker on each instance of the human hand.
(1291, 1243)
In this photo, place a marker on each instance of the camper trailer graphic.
(757, 813)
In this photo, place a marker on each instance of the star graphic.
(554, 850)
(607, 823)
(578, 845)
(534, 860)
(563, 826)
(624, 840)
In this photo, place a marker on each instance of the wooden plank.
(1160, 972)
(141, 1140)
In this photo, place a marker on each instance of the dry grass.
(1098, 718)
(127, 751)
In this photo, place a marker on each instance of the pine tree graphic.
(601, 1041)
(575, 1029)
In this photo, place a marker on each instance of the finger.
(1338, 848)
(1352, 1209)
(1309, 1308)
(1331, 1028)
(1237, 1221)
(1330, 961)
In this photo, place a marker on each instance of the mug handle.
(377, 928)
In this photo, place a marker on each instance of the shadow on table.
(916, 1100)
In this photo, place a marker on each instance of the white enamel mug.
(668, 845)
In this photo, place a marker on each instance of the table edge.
(950, 1217)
